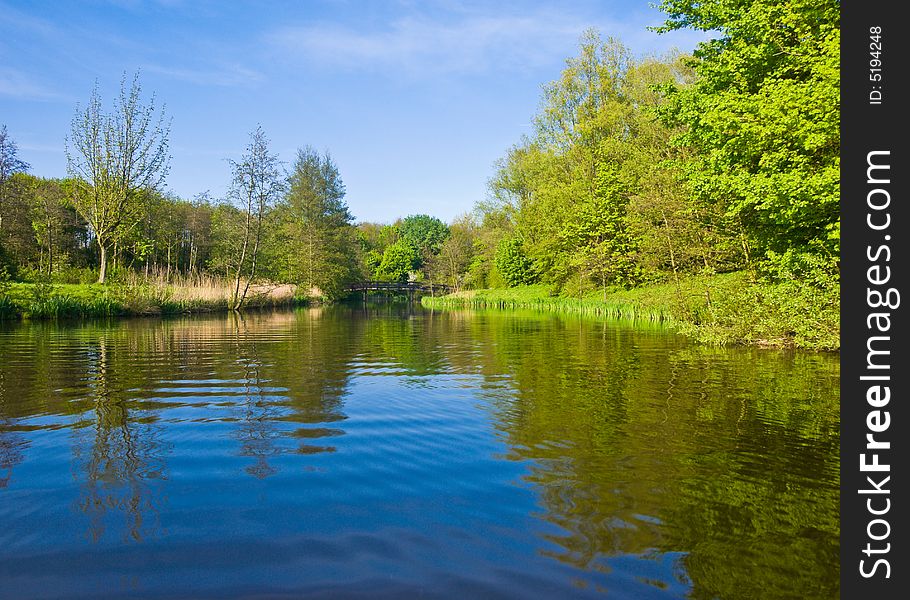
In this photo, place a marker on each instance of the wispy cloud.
(461, 43)
(223, 76)
(418, 45)
(14, 84)
(20, 21)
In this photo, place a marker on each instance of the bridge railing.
(394, 286)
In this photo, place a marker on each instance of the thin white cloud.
(23, 22)
(419, 45)
(227, 76)
(14, 84)
(467, 43)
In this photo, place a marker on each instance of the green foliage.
(7, 265)
(372, 259)
(455, 255)
(114, 159)
(763, 118)
(7, 306)
(318, 242)
(719, 310)
(571, 193)
(398, 261)
(648, 171)
(513, 263)
(425, 233)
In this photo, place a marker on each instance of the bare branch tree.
(256, 184)
(116, 157)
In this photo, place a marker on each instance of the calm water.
(398, 453)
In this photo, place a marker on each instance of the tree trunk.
(102, 273)
(50, 247)
(254, 256)
(236, 301)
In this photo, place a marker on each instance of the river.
(393, 452)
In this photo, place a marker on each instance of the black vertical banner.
(875, 372)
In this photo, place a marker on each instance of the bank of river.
(718, 310)
(79, 301)
(352, 451)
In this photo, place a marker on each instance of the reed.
(717, 310)
(134, 295)
(538, 298)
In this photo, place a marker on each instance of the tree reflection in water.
(709, 456)
(699, 472)
(12, 447)
(121, 460)
(256, 431)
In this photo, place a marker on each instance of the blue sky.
(414, 100)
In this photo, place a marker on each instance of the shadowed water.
(348, 452)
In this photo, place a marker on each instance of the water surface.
(382, 452)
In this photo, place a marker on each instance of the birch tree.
(256, 185)
(116, 157)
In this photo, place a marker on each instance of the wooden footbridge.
(411, 288)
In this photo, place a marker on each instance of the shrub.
(513, 264)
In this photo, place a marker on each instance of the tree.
(763, 118)
(116, 156)
(451, 264)
(49, 218)
(9, 164)
(398, 261)
(598, 240)
(425, 233)
(318, 225)
(256, 184)
(513, 264)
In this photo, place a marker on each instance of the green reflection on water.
(636, 442)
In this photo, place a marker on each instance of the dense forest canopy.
(639, 169)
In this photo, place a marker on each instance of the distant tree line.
(642, 169)
(638, 170)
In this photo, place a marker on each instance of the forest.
(706, 185)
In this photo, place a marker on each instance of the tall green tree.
(117, 156)
(10, 164)
(425, 233)
(513, 263)
(763, 118)
(568, 192)
(399, 260)
(318, 225)
(451, 263)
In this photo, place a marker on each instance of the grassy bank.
(136, 297)
(718, 309)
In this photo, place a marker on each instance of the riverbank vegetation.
(701, 190)
(712, 177)
(136, 296)
(718, 309)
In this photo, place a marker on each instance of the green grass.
(717, 309)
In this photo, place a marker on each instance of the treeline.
(304, 228)
(290, 227)
(677, 169)
(277, 224)
(638, 171)
(641, 170)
